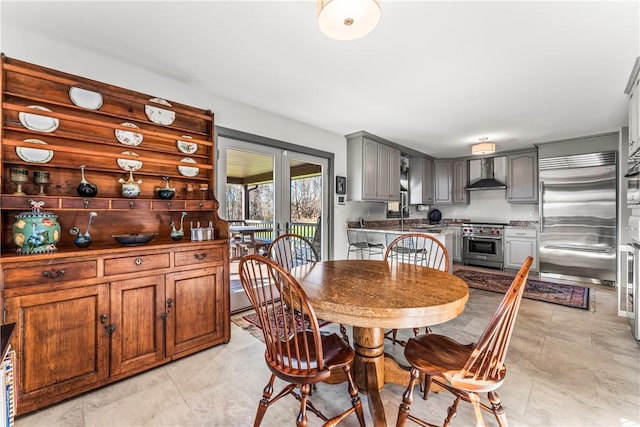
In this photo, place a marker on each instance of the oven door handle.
(483, 237)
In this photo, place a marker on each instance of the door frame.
(283, 145)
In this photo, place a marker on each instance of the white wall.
(18, 43)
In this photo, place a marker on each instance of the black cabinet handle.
(110, 329)
(54, 274)
(201, 256)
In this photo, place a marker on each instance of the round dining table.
(372, 295)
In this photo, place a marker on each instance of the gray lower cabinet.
(522, 177)
(456, 246)
(374, 169)
(451, 178)
(519, 243)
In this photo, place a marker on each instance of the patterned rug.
(251, 324)
(555, 293)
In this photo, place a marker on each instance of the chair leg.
(264, 402)
(497, 409)
(301, 421)
(343, 331)
(426, 387)
(407, 399)
(355, 398)
(475, 401)
(451, 412)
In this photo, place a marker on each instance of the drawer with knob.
(199, 256)
(51, 273)
(132, 264)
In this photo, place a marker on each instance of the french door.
(283, 190)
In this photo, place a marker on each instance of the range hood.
(487, 180)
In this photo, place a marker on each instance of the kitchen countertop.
(524, 224)
(433, 229)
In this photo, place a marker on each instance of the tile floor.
(566, 367)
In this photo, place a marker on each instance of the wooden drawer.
(199, 256)
(85, 203)
(521, 232)
(163, 205)
(52, 273)
(193, 205)
(130, 204)
(132, 264)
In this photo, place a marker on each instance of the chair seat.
(437, 355)
(336, 355)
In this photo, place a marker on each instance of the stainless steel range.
(482, 244)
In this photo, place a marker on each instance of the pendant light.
(348, 19)
(483, 147)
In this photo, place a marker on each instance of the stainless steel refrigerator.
(578, 216)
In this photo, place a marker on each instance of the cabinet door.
(516, 250)
(369, 169)
(60, 342)
(136, 316)
(443, 182)
(456, 253)
(522, 178)
(428, 181)
(196, 309)
(634, 116)
(383, 171)
(394, 174)
(460, 176)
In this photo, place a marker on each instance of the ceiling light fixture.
(348, 19)
(484, 147)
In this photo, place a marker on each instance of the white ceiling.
(433, 76)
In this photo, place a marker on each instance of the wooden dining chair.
(292, 250)
(297, 353)
(467, 370)
(418, 249)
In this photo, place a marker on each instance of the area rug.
(555, 293)
(251, 324)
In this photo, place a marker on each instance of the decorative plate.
(188, 170)
(159, 115)
(161, 101)
(37, 122)
(127, 137)
(85, 98)
(186, 146)
(128, 164)
(34, 155)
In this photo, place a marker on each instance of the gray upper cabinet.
(374, 170)
(451, 179)
(522, 177)
(443, 181)
(460, 169)
(421, 181)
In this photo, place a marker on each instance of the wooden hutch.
(89, 316)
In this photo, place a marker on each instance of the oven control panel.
(482, 230)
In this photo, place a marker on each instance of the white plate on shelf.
(34, 155)
(161, 101)
(37, 122)
(188, 170)
(85, 98)
(186, 147)
(127, 137)
(159, 115)
(128, 164)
